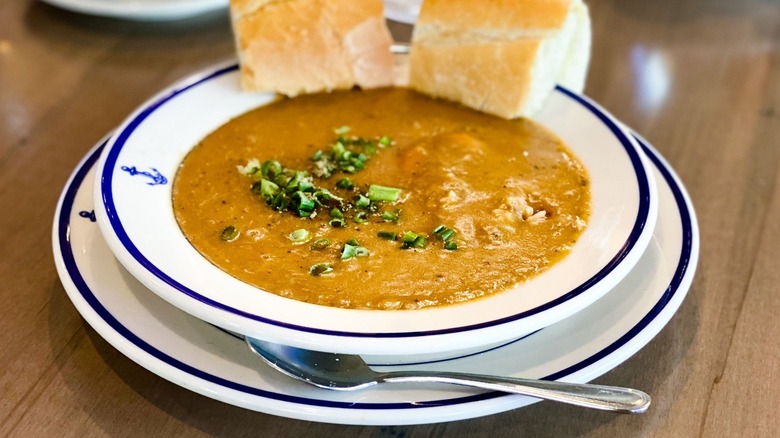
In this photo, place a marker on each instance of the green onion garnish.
(345, 183)
(409, 236)
(336, 214)
(389, 235)
(391, 217)
(420, 242)
(320, 244)
(353, 242)
(351, 251)
(285, 189)
(383, 194)
(303, 203)
(271, 168)
(413, 240)
(325, 198)
(320, 269)
(280, 202)
(299, 236)
(362, 202)
(444, 233)
(337, 223)
(229, 234)
(266, 189)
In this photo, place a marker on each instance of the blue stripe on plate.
(116, 223)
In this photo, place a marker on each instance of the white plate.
(152, 10)
(197, 356)
(404, 11)
(135, 214)
(146, 10)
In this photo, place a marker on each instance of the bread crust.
(306, 46)
(532, 17)
(502, 57)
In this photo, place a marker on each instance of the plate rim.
(157, 10)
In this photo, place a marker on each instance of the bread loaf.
(502, 57)
(305, 46)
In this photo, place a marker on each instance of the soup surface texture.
(515, 197)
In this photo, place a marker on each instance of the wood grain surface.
(699, 78)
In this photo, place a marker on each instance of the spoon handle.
(608, 398)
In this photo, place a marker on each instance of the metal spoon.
(349, 372)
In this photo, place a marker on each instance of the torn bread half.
(305, 46)
(502, 57)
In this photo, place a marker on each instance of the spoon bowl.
(350, 372)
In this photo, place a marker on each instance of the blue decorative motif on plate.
(156, 177)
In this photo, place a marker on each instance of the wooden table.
(699, 78)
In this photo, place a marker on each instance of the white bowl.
(134, 211)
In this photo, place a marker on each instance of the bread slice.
(305, 46)
(502, 57)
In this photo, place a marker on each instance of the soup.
(381, 199)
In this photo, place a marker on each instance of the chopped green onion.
(337, 223)
(320, 244)
(348, 252)
(271, 168)
(345, 183)
(294, 182)
(420, 242)
(303, 203)
(413, 240)
(342, 130)
(266, 189)
(351, 251)
(409, 236)
(389, 235)
(383, 194)
(391, 217)
(369, 149)
(336, 214)
(325, 198)
(353, 242)
(362, 202)
(385, 141)
(299, 181)
(282, 179)
(299, 236)
(360, 217)
(444, 233)
(320, 269)
(281, 202)
(229, 234)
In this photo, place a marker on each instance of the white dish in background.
(403, 11)
(199, 357)
(134, 212)
(145, 10)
